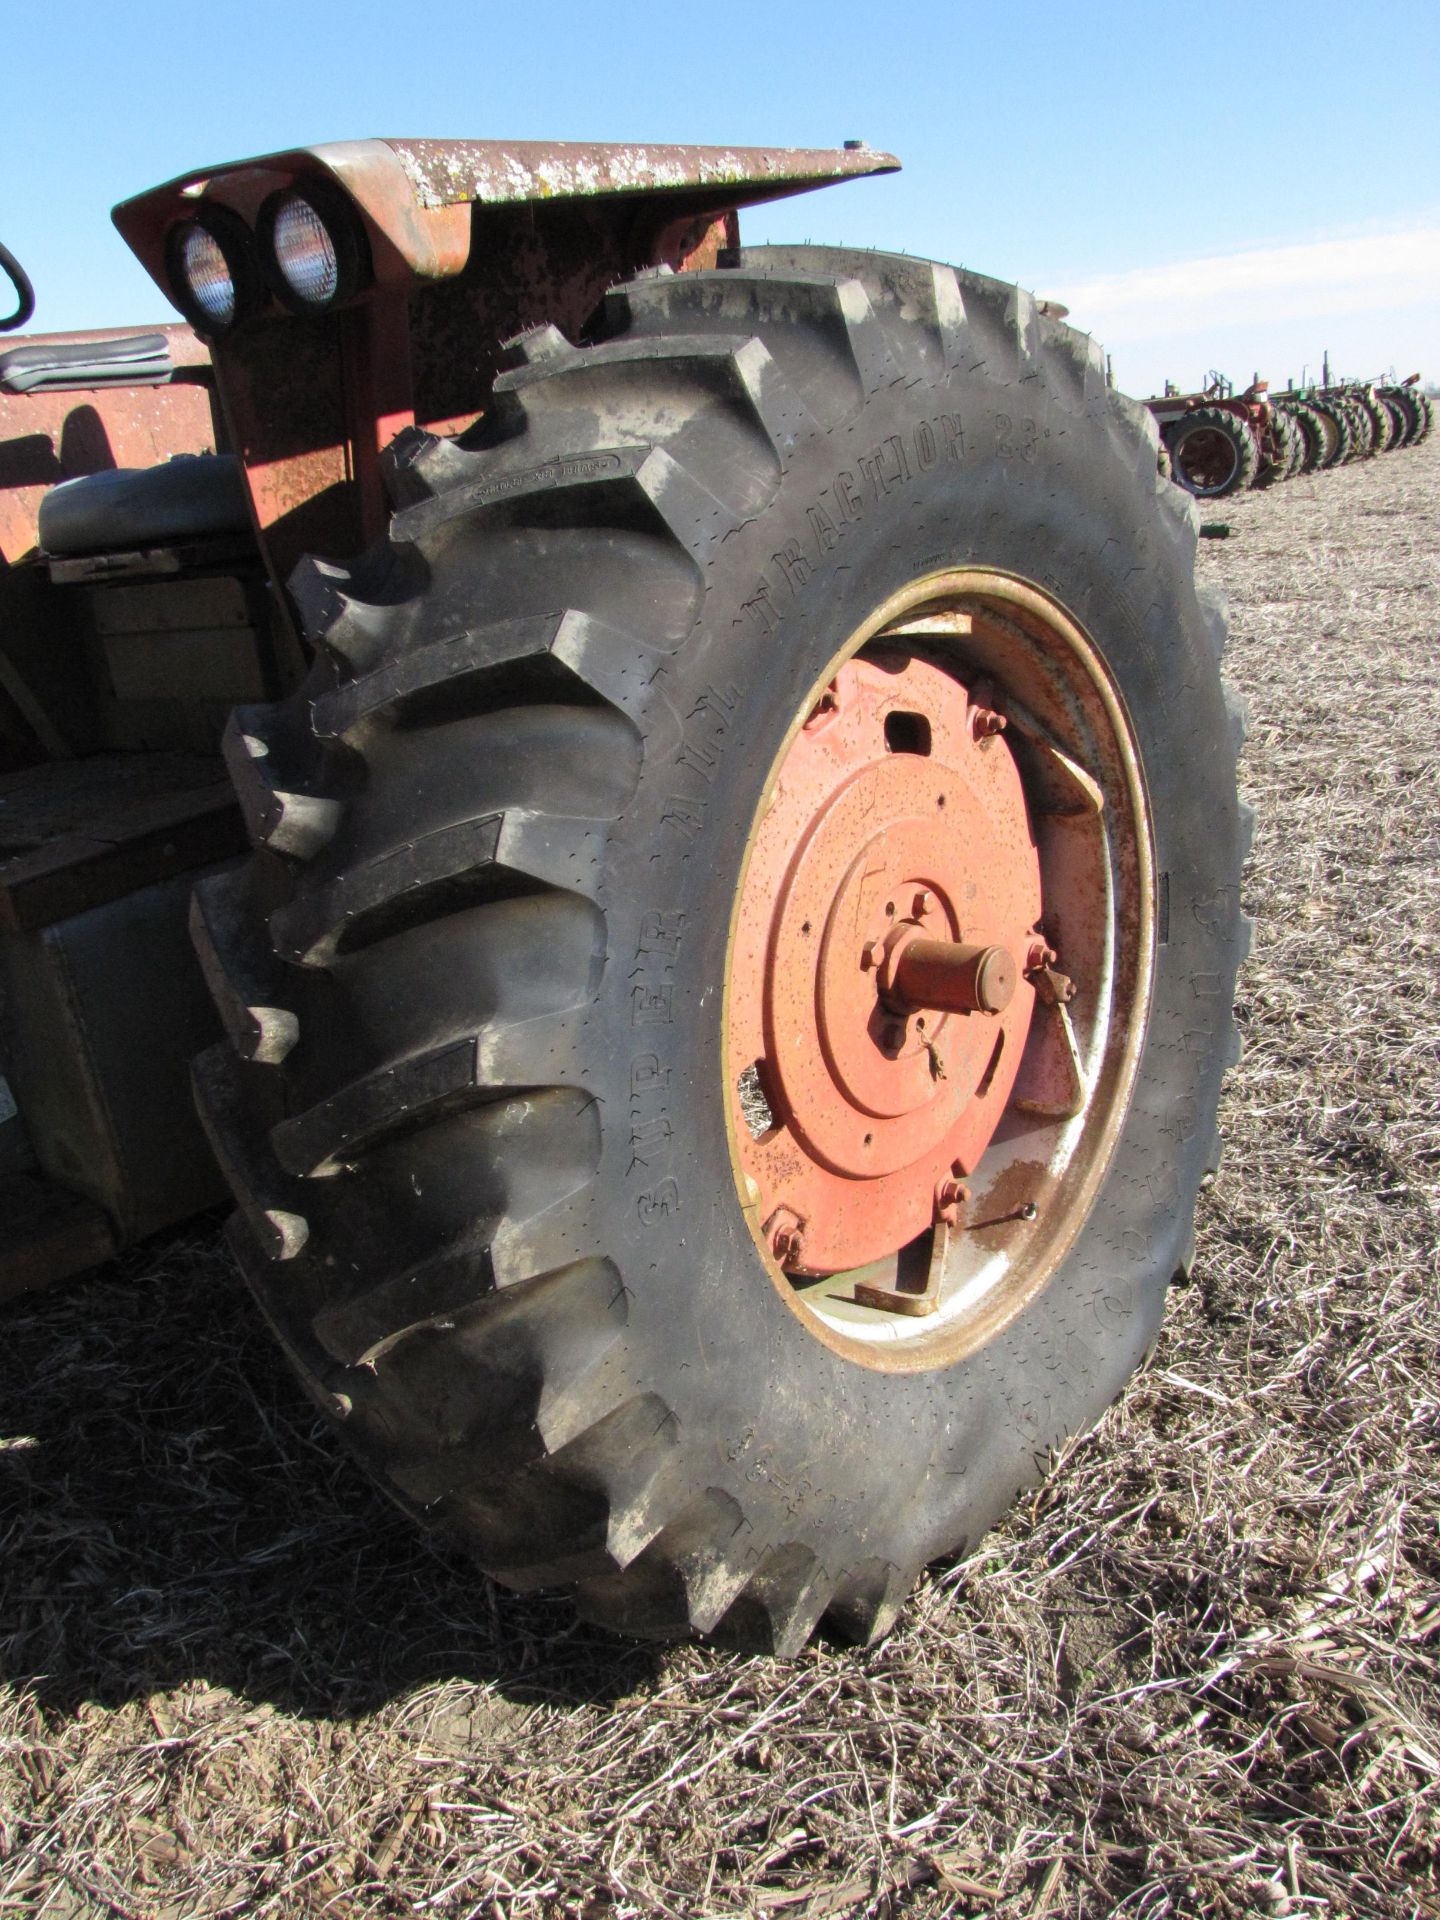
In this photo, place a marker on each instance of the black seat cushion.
(57, 366)
(192, 495)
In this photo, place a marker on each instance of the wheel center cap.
(892, 893)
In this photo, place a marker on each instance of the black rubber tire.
(1277, 449)
(1312, 435)
(1340, 427)
(1382, 432)
(1401, 420)
(1425, 407)
(1231, 428)
(473, 1112)
(1299, 444)
(1362, 425)
(1408, 402)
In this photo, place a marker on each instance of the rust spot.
(1005, 1204)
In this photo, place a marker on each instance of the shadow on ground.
(171, 1510)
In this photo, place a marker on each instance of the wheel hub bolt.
(984, 722)
(951, 1197)
(789, 1244)
(1054, 989)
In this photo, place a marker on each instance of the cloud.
(1375, 273)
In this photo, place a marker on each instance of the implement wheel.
(729, 1009)
(1213, 452)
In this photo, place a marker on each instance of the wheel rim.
(955, 829)
(1208, 458)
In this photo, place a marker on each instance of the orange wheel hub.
(878, 1001)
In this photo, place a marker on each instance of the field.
(1198, 1673)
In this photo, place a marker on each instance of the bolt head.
(871, 954)
(950, 1197)
(923, 902)
(789, 1244)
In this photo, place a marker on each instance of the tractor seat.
(62, 366)
(188, 497)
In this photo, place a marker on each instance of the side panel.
(103, 1012)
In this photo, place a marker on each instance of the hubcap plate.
(892, 809)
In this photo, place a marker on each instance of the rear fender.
(469, 243)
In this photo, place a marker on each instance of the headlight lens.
(213, 272)
(208, 276)
(312, 247)
(305, 252)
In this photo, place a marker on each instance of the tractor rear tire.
(1411, 403)
(1362, 426)
(475, 1105)
(1339, 435)
(1382, 431)
(1402, 420)
(1312, 434)
(1283, 435)
(1213, 453)
(1299, 444)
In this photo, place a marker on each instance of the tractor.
(677, 804)
(1220, 442)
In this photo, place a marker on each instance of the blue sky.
(1231, 185)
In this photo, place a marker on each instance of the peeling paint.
(450, 172)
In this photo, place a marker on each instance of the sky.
(1242, 187)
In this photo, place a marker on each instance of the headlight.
(212, 269)
(312, 248)
(207, 274)
(304, 252)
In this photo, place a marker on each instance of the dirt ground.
(1195, 1674)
